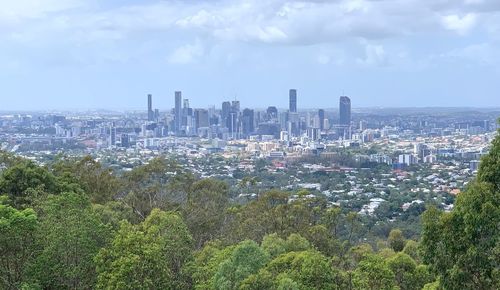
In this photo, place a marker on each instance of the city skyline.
(68, 54)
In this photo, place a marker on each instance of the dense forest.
(75, 224)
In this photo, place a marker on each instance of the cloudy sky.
(78, 54)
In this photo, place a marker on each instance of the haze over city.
(74, 54)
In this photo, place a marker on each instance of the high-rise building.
(226, 112)
(293, 101)
(178, 112)
(321, 116)
(235, 105)
(201, 118)
(247, 121)
(112, 136)
(125, 140)
(150, 108)
(272, 113)
(345, 111)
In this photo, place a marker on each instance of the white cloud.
(279, 23)
(461, 25)
(374, 55)
(186, 54)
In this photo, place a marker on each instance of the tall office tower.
(345, 111)
(321, 115)
(150, 108)
(125, 140)
(293, 101)
(186, 113)
(247, 120)
(178, 112)
(235, 106)
(272, 113)
(345, 117)
(201, 118)
(225, 113)
(112, 136)
(157, 115)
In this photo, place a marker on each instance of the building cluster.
(230, 122)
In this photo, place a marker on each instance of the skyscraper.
(248, 122)
(225, 113)
(272, 113)
(321, 116)
(293, 101)
(150, 108)
(201, 118)
(345, 117)
(345, 111)
(112, 135)
(178, 112)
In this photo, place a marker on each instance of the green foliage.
(69, 236)
(297, 270)
(17, 237)
(113, 212)
(412, 249)
(147, 256)
(158, 184)
(489, 167)
(407, 275)
(99, 183)
(206, 263)
(274, 245)
(396, 240)
(373, 273)
(462, 246)
(246, 259)
(204, 212)
(24, 181)
(322, 240)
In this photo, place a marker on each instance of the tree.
(301, 270)
(150, 255)
(396, 240)
(69, 236)
(489, 167)
(23, 180)
(373, 273)
(462, 246)
(17, 237)
(322, 240)
(96, 181)
(274, 245)
(407, 275)
(411, 249)
(159, 184)
(206, 263)
(246, 259)
(204, 212)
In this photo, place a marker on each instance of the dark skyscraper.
(321, 115)
(272, 113)
(293, 101)
(247, 121)
(345, 111)
(345, 117)
(178, 112)
(150, 108)
(225, 113)
(201, 118)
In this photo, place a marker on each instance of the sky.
(94, 54)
